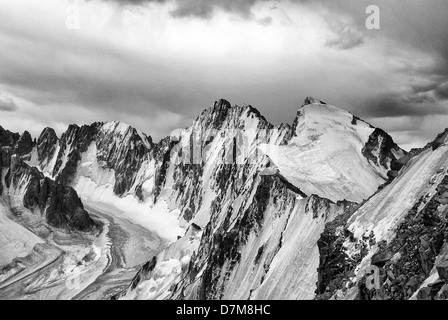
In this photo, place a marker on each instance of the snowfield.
(324, 157)
(94, 185)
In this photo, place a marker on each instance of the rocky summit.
(231, 207)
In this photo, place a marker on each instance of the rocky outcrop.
(119, 147)
(214, 117)
(36, 186)
(46, 144)
(161, 154)
(335, 265)
(402, 263)
(147, 268)
(8, 138)
(72, 143)
(24, 145)
(65, 209)
(60, 204)
(417, 243)
(438, 142)
(381, 148)
(400, 163)
(408, 247)
(122, 149)
(442, 270)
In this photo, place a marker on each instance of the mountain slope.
(234, 200)
(401, 230)
(246, 228)
(333, 154)
(23, 185)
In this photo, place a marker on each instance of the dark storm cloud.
(442, 91)
(108, 81)
(396, 105)
(406, 26)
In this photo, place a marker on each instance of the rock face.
(380, 259)
(7, 138)
(399, 163)
(442, 270)
(405, 240)
(46, 144)
(74, 141)
(335, 265)
(124, 155)
(65, 209)
(59, 204)
(381, 148)
(24, 145)
(119, 147)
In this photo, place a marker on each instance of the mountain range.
(231, 207)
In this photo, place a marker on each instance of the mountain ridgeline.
(248, 210)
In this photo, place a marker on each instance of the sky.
(157, 64)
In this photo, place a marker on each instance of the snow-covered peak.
(123, 129)
(214, 116)
(327, 154)
(316, 119)
(237, 116)
(47, 133)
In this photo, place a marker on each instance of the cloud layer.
(7, 104)
(156, 64)
(200, 8)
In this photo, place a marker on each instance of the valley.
(82, 266)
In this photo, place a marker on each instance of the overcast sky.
(157, 64)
